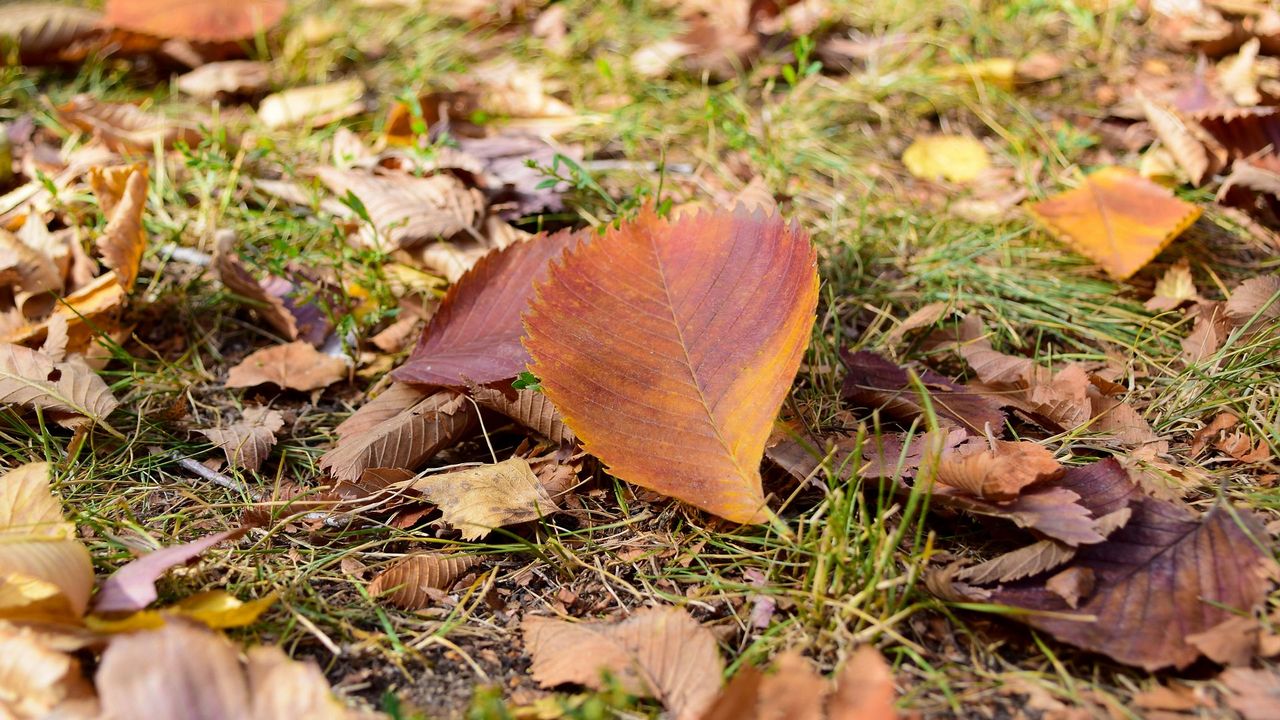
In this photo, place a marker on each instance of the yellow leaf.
(954, 157)
(216, 609)
(45, 571)
(1116, 218)
(999, 72)
(479, 499)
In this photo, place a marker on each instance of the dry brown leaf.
(864, 689)
(479, 499)
(230, 77)
(25, 268)
(271, 305)
(794, 691)
(1173, 288)
(33, 379)
(248, 442)
(1255, 694)
(415, 582)
(48, 32)
(1116, 218)
(314, 105)
(1194, 151)
(40, 680)
(45, 571)
(1207, 335)
(527, 407)
(1232, 642)
(410, 211)
(1024, 562)
(87, 312)
(926, 316)
(874, 381)
(398, 432)
(181, 671)
(756, 196)
(997, 470)
(659, 652)
(1259, 297)
(1222, 421)
(122, 194)
(295, 366)
(123, 127)
(1072, 585)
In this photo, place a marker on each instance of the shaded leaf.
(405, 439)
(45, 571)
(31, 378)
(874, 381)
(863, 690)
(409, 211)
(230, 77)
(1258, 296)
(680, 398)
(122, 194)
(247, 443)
(1116, 218)
(954, 157)
(312, 105)
(527, 407)
(659, 652)
(203, 20)
(133, 586)
(1255, 694)
(46, 32)
(408, 584)
(1024, 562)
(294, 366)
(474, 337)
(479, 499)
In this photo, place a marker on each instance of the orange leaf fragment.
(204, 20)
(669, 347)
(1116, 218)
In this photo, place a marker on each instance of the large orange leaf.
(1117, 218)
(205, 20)
(670, 346)
(475, 335)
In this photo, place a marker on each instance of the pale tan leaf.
(45, 572)
(31, 378)
(1072, 585)
(283, 688)
(124, 239)
(55, 342)
(1173, 288)
(294, 366)
(756, 196)
(38, 680)
(123, 127)
(479, 499)
(1255, 694)
(409, 211)
(527, 407)
(314, 105)
(1232, 642)
(1207, 335)
(924, 317)
(405, 439)
(25, 268)
(87, 311)
(998, 470)
(416, 581)
(45, 31)
(231, 77)
(247, 443)
(1196, 153)
(1023, 562)
(661, 652)
(1256, 296)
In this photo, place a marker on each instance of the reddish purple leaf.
(133, 587)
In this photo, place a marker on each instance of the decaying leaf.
(33, 379)
(203, 20)
(123, 127)
(183, 671)
(45, 571)
(133, 586)
(398, 431)
(294, 366)
(1258, 297)
(954, 157)
(659, 652)
(122, 194)
(415, 581)
(1232, 642)
(1197, 154)
(1255, 694)
(87, 312)
(313, 105)
(998, 470)
(409, 211)
(680, 398)
(474, 337)
(25, 268)
(247, 443)
(527, 407)
(1116, 218)
(270, 294)
(874, 381)
(230, 77)
(479, 499)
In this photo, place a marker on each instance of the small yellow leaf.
(216, 609)
(997, 72)
(1116, 218)
(953, 157)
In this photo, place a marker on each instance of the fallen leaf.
(659, 652)
(1116, 218)
(1173, 288)
(926, 316)
(1255, 694)
(997, 72)
(873, 381)
(247, 443)
(410, 211)
(314, 105)
(399, 431)
(45, 571)
(408, 584)
(1258, 297)
(955, 158)
(133, 586)
(125, 128)
(270, 294)
(294, 366)
(87, 312)
(1072, 585)
(1222, 421)
(998, 470)
(864, 689)
(25, 268)
(122, 194)
(1232, 642)
(33, 379)
(215, 609)
(1033, 559)
(202, 20)
(1192, 149)
(47, 32)
(182, 671)
(756, 196)
(229, 77)
(1207, 335)
(38, 680)
(698, 296)
(527, 407)
(479, 499)
(474, 337)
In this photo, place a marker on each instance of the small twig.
(217, 478)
